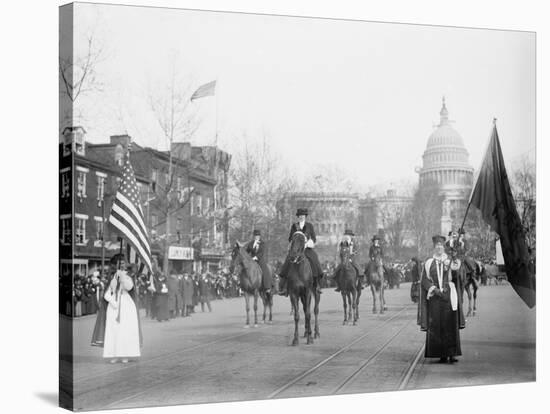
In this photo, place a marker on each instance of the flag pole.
(475, 184)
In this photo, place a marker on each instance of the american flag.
(208, 89)
(127, 215)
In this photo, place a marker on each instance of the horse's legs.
(373, 290)
(307, 311)
(247, 304)
(350, 306)
(357, 301)
(316, 313)
(475, 297)
(354, 298)
(264, 302)
(382, 299)
(256, 294)
(294, 300)
(345, 307)
(469, 299)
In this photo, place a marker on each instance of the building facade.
(446, 166)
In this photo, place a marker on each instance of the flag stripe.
(122, 216)
(127, 216)
(124, 210)
(131, 238)
(132, 209)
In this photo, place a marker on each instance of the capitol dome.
(446, 161)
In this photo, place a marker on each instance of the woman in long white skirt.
(121, 325)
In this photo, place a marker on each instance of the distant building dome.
(446, 160)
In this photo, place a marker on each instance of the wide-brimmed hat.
(375, 237)
(115, 258)
(438, 239)
(256, 232)
(302, 212)
(348, 232)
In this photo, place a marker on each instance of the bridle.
(298, 258)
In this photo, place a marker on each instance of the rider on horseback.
(347, 241)
(456, 241)
(256, 248)
(307, 229)
(376, 254)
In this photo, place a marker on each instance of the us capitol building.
(445, 164)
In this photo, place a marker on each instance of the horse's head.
(236, 258)
(297, 247)
(345, 253)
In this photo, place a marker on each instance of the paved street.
(210, 357)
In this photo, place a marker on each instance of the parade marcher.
(415, 279)
(161, 296)
(204, 292)
(122, 333)
(188, 289)
(195, 292)
(173, 285)
(347, 241)
(441, 313)
(307, 229)
(376, 255)
(257, 250)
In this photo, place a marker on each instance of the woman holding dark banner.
(440, 305)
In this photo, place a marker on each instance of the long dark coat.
(437, 318)
(188, 289)
(259, 253)
(311, 254)
(173, 285)
(161, 300)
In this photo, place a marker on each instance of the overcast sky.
(361, 95)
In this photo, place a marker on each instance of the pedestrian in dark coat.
(188, 291)
(161, 297)
(173, 285)
(441, 313)
(204, 292)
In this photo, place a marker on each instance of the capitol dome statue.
(445, 164)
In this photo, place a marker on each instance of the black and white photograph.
(258, 207)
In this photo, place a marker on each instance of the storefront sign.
(180, 253)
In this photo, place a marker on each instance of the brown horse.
(250, 277)
(472, 272)
(300, 287)
(375, 276)
(349, 285)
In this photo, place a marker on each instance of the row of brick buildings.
(195, 195)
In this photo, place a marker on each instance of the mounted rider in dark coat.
(347, 241)
(376, 255)
(257, 249)
(307, 228)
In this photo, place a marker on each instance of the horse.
(300, 287)
(470, 284)
(250, 277)
(267, 300)
(375, 276)
(349, 284)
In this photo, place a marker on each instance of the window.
(192, 204)
(66, 183)
(154, 175)
(99, 227)
(199, 205)
(166, 180)
(81, 229)
(81, 184)
(66, 229)
(154, 221)
(207, 204)
(100, 185)
(179, 224)
(179, 183)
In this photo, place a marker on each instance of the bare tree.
(328, 178)
(169, 100)
(393, 217)
(78, 74)
(424, 216)
(258, 181)
(524, 187)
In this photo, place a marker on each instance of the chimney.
(73, 140)
(124, 140)
(181, 150)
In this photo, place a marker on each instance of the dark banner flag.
(492, 195)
